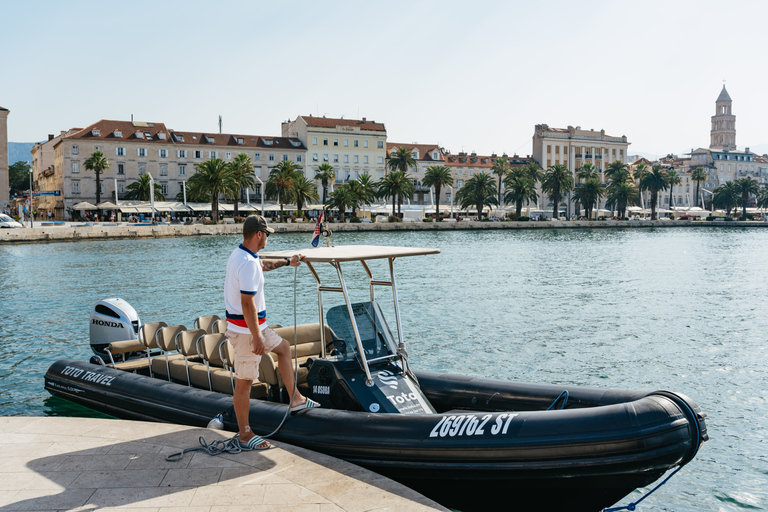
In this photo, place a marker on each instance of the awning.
(171, 206)
(84, 205)
(106, 205)
(200, 207)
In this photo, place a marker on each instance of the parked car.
(7, 222)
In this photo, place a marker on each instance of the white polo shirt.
(244, 276)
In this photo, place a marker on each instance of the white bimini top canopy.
(350, 253)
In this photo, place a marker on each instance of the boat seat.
(219, 326)
(308, 345)
(147, 343)
(205, 322)
(122, 348)
(167, 341)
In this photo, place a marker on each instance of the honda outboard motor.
(112, 320)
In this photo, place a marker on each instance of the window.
(336, 158)
(163, 153)
(213, 154)
(164, 186)
(314, 141)
(346, 159)
(298, 158)
(257, 157)
(182, 170)
(198, 154)
(325, 158)
(460, 183)
(356, 159)
(120, 151)
(163, 170)
(380, 144)
(325, 141)
(118, 133)
(434, 155)
(148, 135)
(228, 155)
(179, 137)
(346, 143)
(240, 140)
(355, 143)
(75, 187)
(120, 187)
(182, 153)
(161, 136)
(142, 169)
(285, 158)
(380, 175)
(75, 150)
(102, 188)
(314, 157)
(120, 168)
(271, 157)
(415, 170)
(380, 160)
(357, 174)
(365, 159)
(75, 167)
(335, 142)
(365, 143)
(142, 151)
(98, 148)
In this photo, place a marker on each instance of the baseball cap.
(255, 223)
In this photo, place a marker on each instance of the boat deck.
(58, 463)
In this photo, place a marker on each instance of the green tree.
(326, 174)
(699, 175)
(557, 181)
(588, 172)
(520, 188)
(621, 195)
(654, 181)
(303, 191)
(478, 191)
(588, 194)
(280, 183)
(618, 167)
(97, 163)
(212, 177)
(500, 168)
(672, 179)
(396, 185)
(362, 192)
(139, 189)
(201, 196)
(437, 176)
(18, 176)
(241, 170)
(726, 196)
(762, 197)
(340, 199)
(401, 159)
(746, 187)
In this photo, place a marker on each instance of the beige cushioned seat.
(308, 345)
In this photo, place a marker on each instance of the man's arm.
(295, 261)
(251, 314)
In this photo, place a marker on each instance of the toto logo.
(105, 323)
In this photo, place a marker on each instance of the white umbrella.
(85, 205)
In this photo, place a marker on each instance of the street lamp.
(261, 183)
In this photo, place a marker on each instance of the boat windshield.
(374, 332)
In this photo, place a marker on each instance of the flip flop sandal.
(254, 444)
(309, 404)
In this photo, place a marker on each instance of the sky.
(469, 76)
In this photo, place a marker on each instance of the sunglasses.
(266, 233)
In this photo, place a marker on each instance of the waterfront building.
(46, 179)
(426, 156)
(5, 185)
(574, 147)
(353, 147)
(169, 156)
(463, 166)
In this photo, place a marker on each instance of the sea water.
(674, 309)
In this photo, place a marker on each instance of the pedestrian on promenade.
(247, 325)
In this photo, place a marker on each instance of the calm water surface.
(676, 309)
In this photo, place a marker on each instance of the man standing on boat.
(247, 325)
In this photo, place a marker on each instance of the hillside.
(20, 151)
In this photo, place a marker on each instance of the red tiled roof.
(329, 122)
(128, 130)
(1, 108)
(229, 139)
(464, 160)
(425, 150)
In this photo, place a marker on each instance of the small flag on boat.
(318, 227)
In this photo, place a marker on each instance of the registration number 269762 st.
(471, 425)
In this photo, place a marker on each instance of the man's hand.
(296, 260)
(258, 346)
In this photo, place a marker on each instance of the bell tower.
(723, 132)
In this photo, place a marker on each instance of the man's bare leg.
(241, 401)
(285, 367)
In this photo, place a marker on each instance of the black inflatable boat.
(469, 443)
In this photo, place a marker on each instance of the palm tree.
(213, 177)
(97, 163)
(303, 191)
(500, 168)
(587, 172)
(326, 174)
(654, 181)
(242, 177)
(672, 179)
(341, 199)
(362, 192)
(139, 189)
(746, 187)
(618, 167)
(194, 196)
(478, 191)
(520, 189)
(557, 181)
(620, 195)
(533, 171)
(588, 194)
(437, 176)
(401, 159)
(726, 196)
(280, 183)
(699, 175)
(762, 197)
(395, 185)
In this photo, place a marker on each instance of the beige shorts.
(246, 362)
